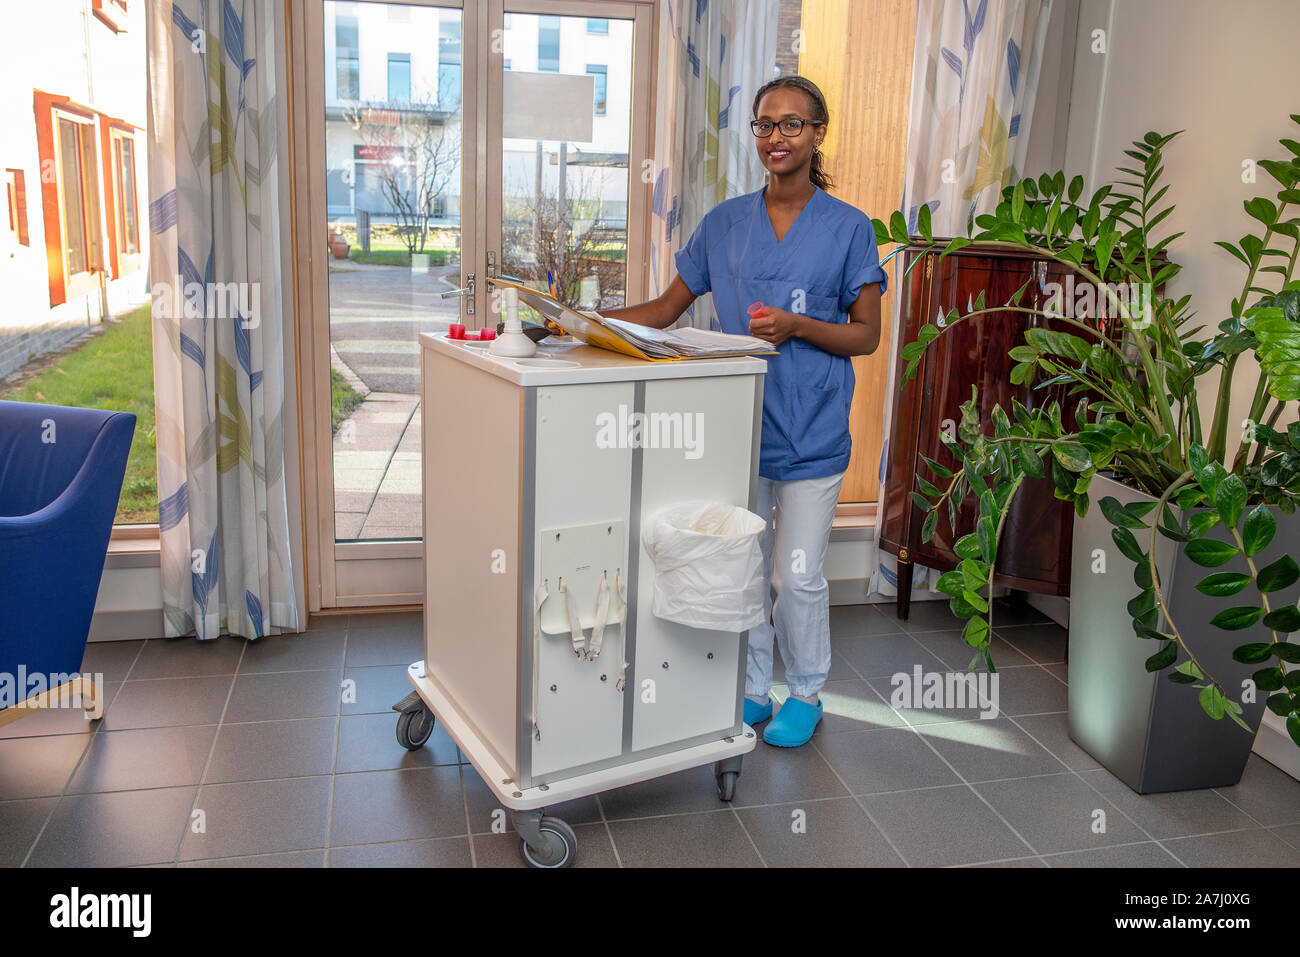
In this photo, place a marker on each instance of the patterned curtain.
(974, 79)
(713, 57)
(218, 313)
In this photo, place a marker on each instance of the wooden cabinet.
(1034, 554)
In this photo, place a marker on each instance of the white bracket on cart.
(583, 564)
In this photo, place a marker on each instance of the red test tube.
(456, 330)
(756, 309)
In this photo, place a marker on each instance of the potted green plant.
(1172, 503)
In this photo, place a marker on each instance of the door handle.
(467, 290)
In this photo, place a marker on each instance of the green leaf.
(967, 546)
(923, 222)
(976, 602)
(1072, 456)
(1076, 189)
(1293, 727)
(950, 584)
(985, 533)
(919, 500)
(1209, 553)
(1230, 499)
(975, 632)
(1253, 653)
(1113, 510)
(1259, 529)
(931, 519)
(1287, 651)
(974, 574)
(1201, 522)
(1127, 544)
(1278, 574)
(898, 227)
(936, 468)
(1237, 617)
(1285, 619)
(1280, 704)
(1223, 583)
(1267, 679)
(1163, 658)
(1211, 701)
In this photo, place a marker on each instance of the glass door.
(439, 143)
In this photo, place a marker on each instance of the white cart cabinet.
(543, 472)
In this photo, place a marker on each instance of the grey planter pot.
(1149, 732)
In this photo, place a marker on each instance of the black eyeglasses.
(790, 126)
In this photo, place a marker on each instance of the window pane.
(74, 222)
(127, 235)
(597, 26)
(548, 44)
(601, 75)
(449, 61)
(347, 57)
(399, 77)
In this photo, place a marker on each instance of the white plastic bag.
(708, 565)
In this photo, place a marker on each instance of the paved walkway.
(376, 316)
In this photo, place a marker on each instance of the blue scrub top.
(818, 268)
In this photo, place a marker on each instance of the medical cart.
(542, 656)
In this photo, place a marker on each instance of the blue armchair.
(61, 473)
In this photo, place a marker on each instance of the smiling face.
(782, 154)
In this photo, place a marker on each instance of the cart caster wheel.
(414, 728)
(561, 844)
(727, 785)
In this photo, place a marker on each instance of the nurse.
(811, 261)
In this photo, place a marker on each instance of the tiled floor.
(230, 753)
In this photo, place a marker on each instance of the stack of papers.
(629, 338)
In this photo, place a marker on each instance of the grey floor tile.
(851, 705)
(771, 775)
(327, 623)
(273, 697)
(372, 807)
(38, 767)
(1254, 848)
(385, 639)
(690, 790)
(1016, 611)
(856, 621)
(20, 822)
(988, 750)
(900, 691)
(288, 859)
(1061, 669)
(368, 742)
(943, 826)
(886, 655)
(273, 749)
(438, 852)
(708, 839)
(61, 720)
(1013, 862)
(1030, 690)
(306, 652)
(1147, 854)
(502, 850)
(1290, 833)
(486, 814)
(832, 833)
(952, 650)
(112, 659)
(1059, 812)
(259, 817)
(116, 829)
(168, 702)
(1267, 794)
(375, 690)
(931, 615)
(144, 758)
(1044, 643)
(188, 657)
(1175, 814)
(1052, 731)
(887, 760)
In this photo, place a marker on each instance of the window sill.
(133, 546)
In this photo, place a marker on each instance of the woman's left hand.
(776, 325)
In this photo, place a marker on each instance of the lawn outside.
(113, 370)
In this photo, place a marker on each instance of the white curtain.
(713, 57)
(218, 318)
(974, 78)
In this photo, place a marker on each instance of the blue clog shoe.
(754, 713)
(794, 724)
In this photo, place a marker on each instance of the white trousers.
(799, 515)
